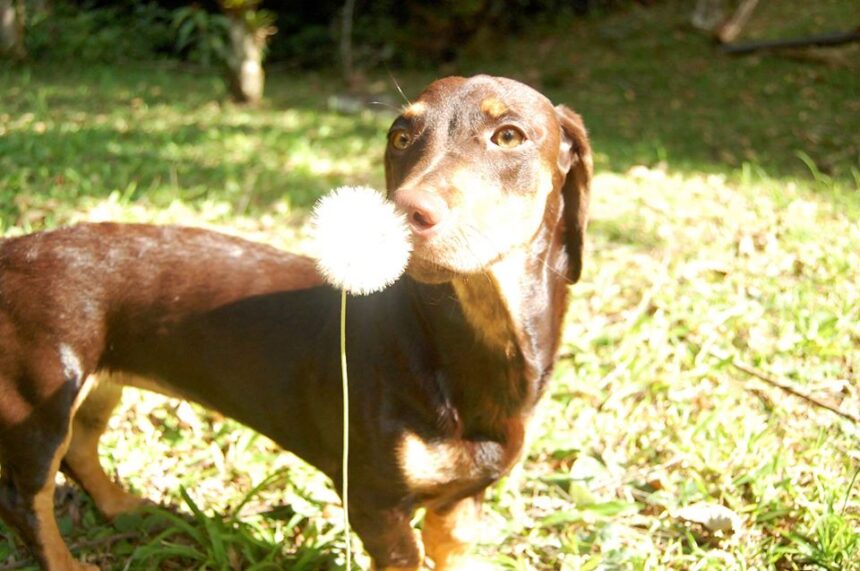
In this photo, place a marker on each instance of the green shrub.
(201, 36)
(71, 33)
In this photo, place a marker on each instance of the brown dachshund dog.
(446, 365)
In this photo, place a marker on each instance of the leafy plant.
(201, 36)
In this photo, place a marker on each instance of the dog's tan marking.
(493, 107)
(48, 538)
(426, 465)
(415, 110)
(88, 385)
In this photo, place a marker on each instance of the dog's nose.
(424, 210)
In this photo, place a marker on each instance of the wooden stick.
(831, 39)
(782, 385)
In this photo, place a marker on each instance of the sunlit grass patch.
(654, 420)
(69, 141)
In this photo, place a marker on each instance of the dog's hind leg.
(81, 461)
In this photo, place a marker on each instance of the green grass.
(725, 220)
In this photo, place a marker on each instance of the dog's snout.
(424, 210)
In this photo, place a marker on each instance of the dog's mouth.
(450, 255)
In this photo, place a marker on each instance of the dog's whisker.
(399, 89)
(384, 104)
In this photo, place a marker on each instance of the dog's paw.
(121, 503)
(466, 563)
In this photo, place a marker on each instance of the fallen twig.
(107, 540)
(781, 384)
(822, 40)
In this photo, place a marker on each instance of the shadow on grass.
(95, 161)
(85, 133)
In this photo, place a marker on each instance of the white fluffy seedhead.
(362, 243)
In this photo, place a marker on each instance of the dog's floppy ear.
(575, 160)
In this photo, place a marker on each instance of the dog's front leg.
(387, 535)
(448, 534)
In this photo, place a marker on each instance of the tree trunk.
(12, 29)
(346, 41)
(731, 29)
(246, 78)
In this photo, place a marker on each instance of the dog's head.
(482, 165)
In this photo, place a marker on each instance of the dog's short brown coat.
(445, 366)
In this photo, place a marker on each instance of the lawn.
(725, 230)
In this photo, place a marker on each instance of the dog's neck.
(518, 303)
(515, 310)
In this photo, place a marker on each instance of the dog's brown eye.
(508, 137)
(399, 139)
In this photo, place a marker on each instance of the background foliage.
(396, 32)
